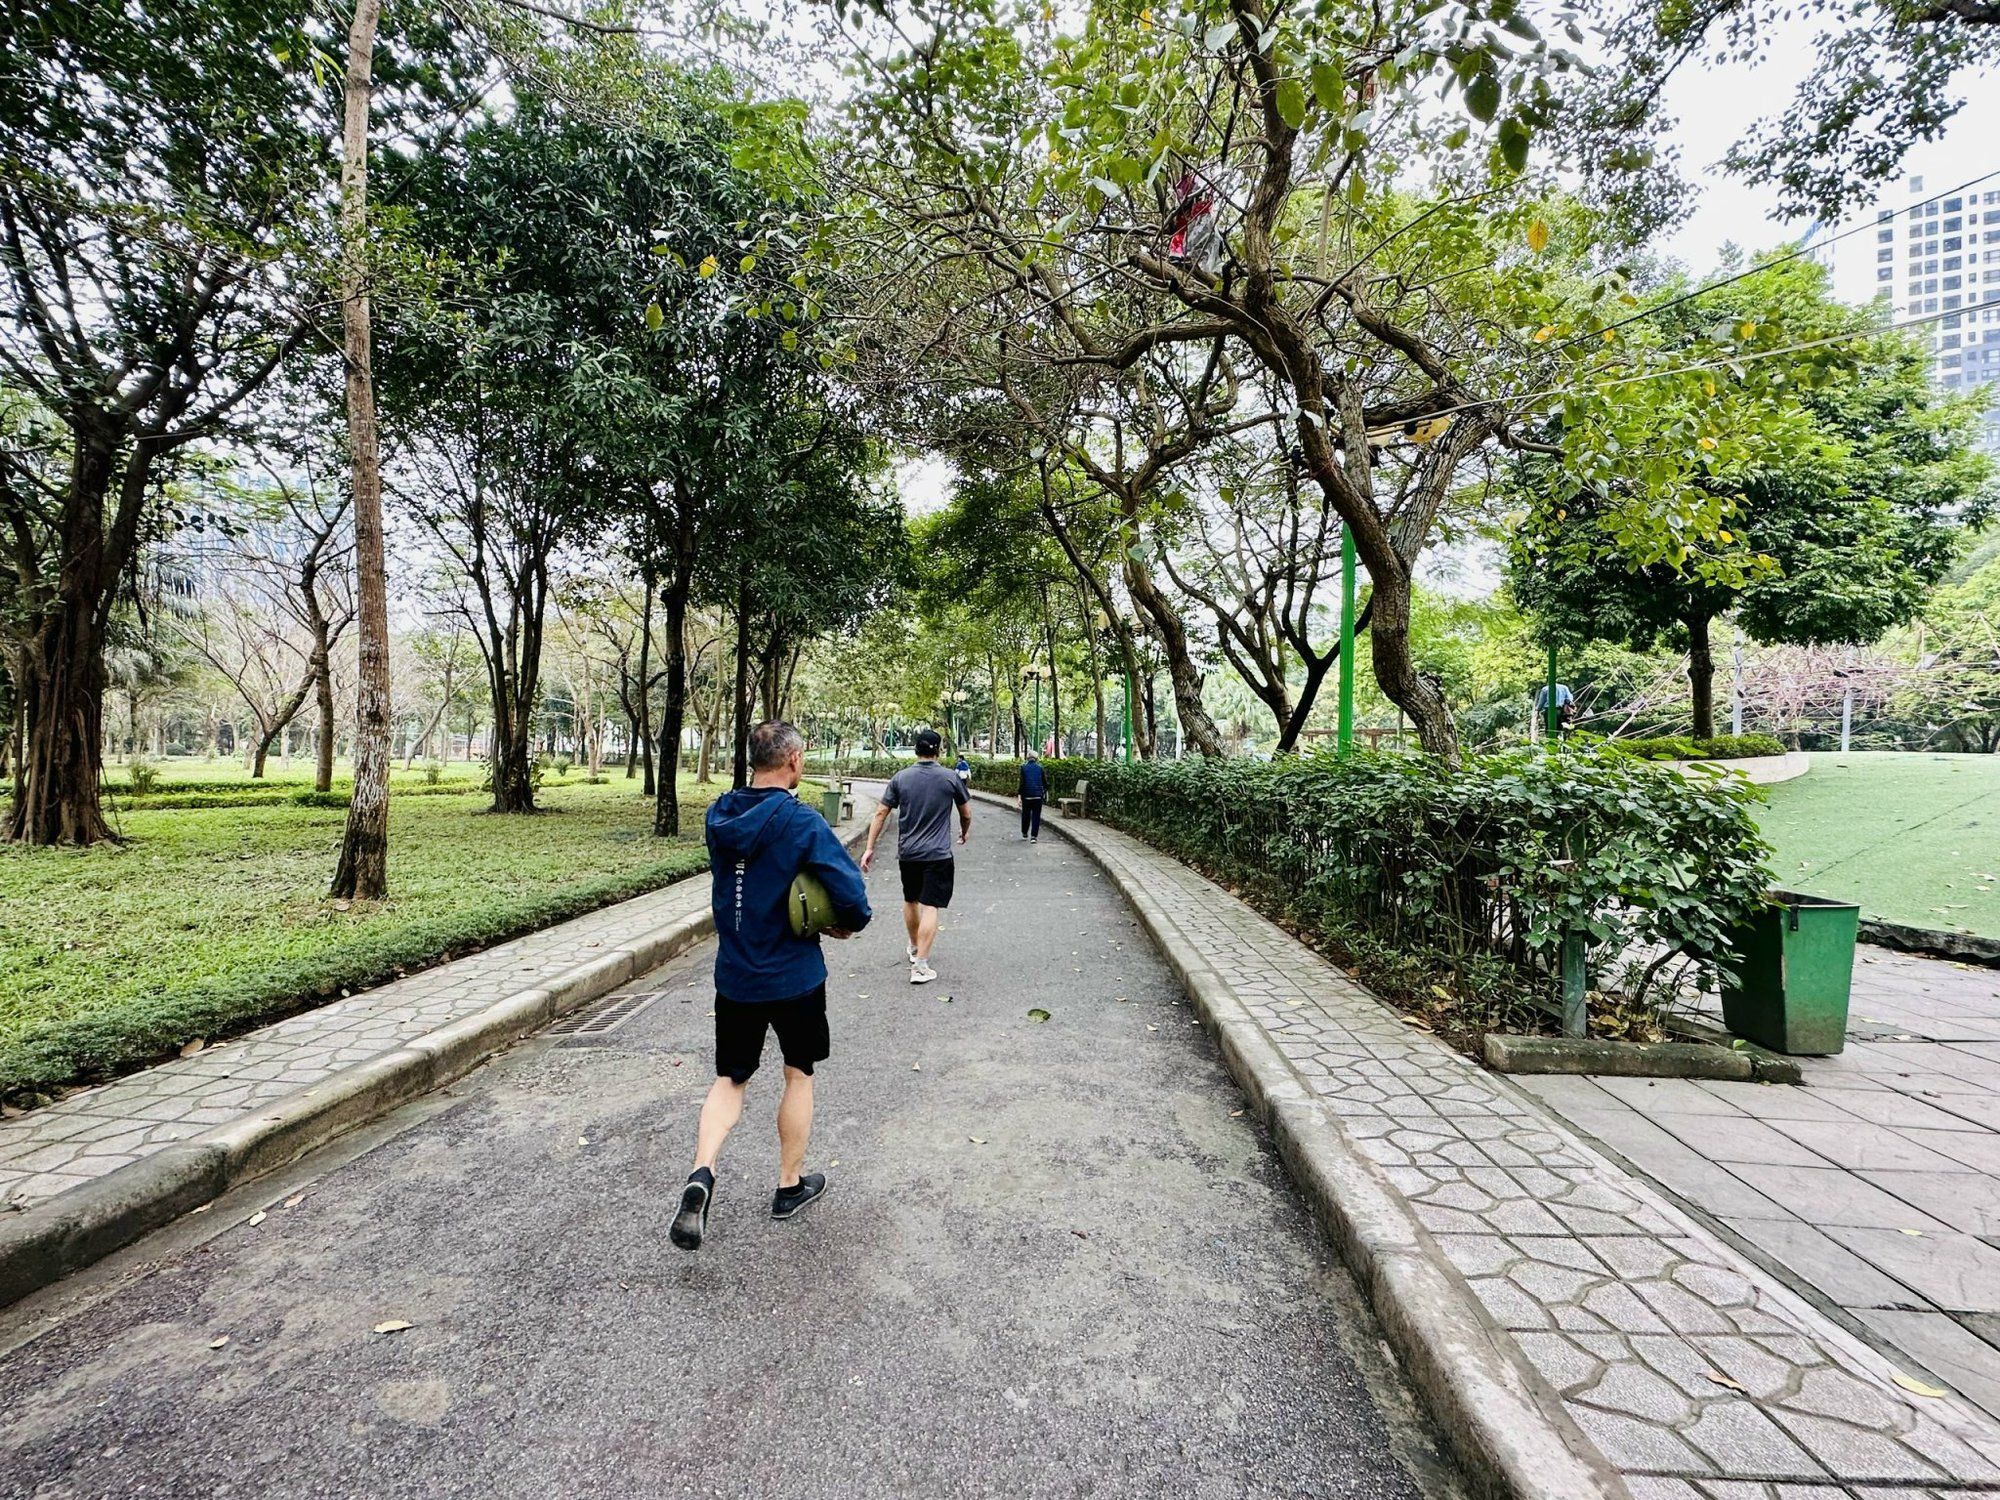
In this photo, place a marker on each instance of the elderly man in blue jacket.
(760, 838)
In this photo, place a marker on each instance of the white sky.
(1715, 104)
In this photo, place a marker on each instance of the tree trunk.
(673, 713)
(363, 871)
(740, 760)
(1701, 677)
(1416, 693)
(1172, 635)
(61, 682)
(62, 704)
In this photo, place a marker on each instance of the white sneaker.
(921, 971)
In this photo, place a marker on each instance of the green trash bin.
(829, 806)
(1796, 966)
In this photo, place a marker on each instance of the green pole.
(1552, 716)
(1345, 737)
(1038, 714)
(1128, 715)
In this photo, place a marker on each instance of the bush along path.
(101, 1167)
(1664, 1366)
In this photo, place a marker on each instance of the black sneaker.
(788, 1201)
(691, 1223)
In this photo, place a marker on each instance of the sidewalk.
(1697, 1374)
(1875, 1189)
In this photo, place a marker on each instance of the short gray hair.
(773, 742)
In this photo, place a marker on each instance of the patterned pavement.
(1696, 1373)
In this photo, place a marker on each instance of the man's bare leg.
(924, 930)
(910, 919)
(719, 1113)
(795, 1123)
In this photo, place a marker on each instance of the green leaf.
(1291, 103)
(1514, 143)
(1220, 36)
(1038, 1014)
(654, 317)
(747, 264)
(1482, 96)
(1327, 87)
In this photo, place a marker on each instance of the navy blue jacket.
(1033, 782)
(758, 839)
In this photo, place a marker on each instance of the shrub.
(433, 772)
(1420, 870)
(1741, 746)
(142, 777)
(1686, 747)
(1062, 773)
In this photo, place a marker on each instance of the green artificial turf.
(209, 920)
(1914, 838)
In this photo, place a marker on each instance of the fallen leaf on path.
(217, 1343)
(256, 1218)
(393, 1325)
(1038, 1014)
(977, 1140)
(583, 1140)
(204, 1208)
(916, 1067)
(1151, 1027)
(1916, 1387)
(1734, 1385)
(193, 1047)
(1915, 1234)
(1234, 1113)
(295, 1200)
(1079, 1234)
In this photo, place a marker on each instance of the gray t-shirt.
(924, 796)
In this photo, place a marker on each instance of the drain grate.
(607, 1015)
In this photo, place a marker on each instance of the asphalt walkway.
(1057, 1258)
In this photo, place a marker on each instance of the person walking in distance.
(964, 769)
(1033, 791)
(923, 795)
(760, 839)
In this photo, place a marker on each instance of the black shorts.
(928, 881)
(739, 1033)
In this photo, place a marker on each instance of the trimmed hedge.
(272, 796)
(103, 1045)
(1686, 747)
(1419, 871)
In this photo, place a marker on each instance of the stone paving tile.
(48, 1151)
(1699, 1375)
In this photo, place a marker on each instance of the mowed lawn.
(1913, 838)
(209, 920)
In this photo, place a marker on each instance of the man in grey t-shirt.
(923, 795)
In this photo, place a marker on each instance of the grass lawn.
(1913, 838)
(209, 920)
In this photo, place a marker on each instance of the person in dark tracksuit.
(1034, 790)
(760, 837)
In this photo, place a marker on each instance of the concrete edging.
(73, 1229)
(1503, 1420)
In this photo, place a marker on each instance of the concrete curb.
(71, 1230)
(1504, 1421)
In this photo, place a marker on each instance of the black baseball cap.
(928, 742)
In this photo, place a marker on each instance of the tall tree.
(1841, 510)
(158, 167)
(362, 871)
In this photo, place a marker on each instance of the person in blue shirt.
(1033, 791)
(964, 768)
(760, 838)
